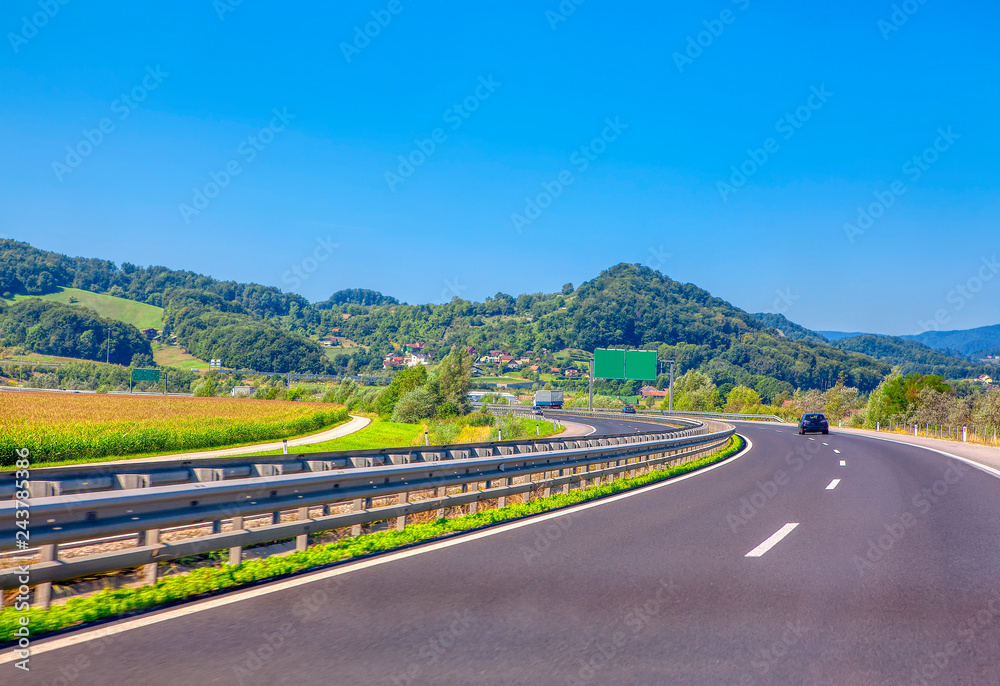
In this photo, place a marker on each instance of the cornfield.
(59, 427)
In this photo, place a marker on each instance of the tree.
(567, 289)
(839, 399)
(415, 405)
(454, 378)
(988, 409)
(404, 381)
(742, 400)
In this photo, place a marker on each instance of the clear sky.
(546, 142)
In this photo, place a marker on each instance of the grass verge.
(201, 582)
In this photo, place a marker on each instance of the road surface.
(806, 560)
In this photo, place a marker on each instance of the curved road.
(887, 574)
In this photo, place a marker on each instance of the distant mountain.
(789, 329)
(252, 326)
(911, 356)
(966, 341)
(837, 335)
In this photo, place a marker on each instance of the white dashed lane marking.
(833, 484)
(772, 540)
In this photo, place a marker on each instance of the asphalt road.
(889, 576)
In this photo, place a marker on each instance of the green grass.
(140, 315)
(122, 601)
(378, 434)
(171, 356)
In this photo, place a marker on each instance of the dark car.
(628, 409)
(813, 422)
(536, 409)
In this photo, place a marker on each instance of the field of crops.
(59, 427)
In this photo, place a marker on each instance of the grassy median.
(123, 601)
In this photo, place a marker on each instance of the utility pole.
(109, 346)
(590, 405)
(670, 405)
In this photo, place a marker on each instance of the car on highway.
(536, 409)
(813, 422)
(628, 409)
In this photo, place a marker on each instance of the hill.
(259, 327)
(912, 356)
(837, 335)
(140, 315)
(967, 341)
(789, 329)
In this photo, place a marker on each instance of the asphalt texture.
(889, 577)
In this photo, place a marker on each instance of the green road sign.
(146, 375)
(640, 365)
(609, 364)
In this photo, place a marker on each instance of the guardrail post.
(474, 505)
(217, 527)
(357, 506)
(43, 592)
(150, 571)
(402, 499)
(236, 552)
(441, 492)
(302, 540)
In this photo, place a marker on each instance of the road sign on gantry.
(609, 364)
(146, 375)
(640, 365)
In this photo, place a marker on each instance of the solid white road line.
(843, 463)
(155, 617)
(772, 540)
(833, 484)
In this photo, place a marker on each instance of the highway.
(806, 560)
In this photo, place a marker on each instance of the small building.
(149, 333)
(243, 391)
(652, 392)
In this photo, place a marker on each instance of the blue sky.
(628, 122)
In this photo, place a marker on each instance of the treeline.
(96, 376)
(912, 356)
(55, 329)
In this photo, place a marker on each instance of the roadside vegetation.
(59, 428)
(123, 601)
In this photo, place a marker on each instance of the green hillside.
(139, 315)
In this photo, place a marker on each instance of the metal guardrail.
(420, 486)
(119, 475)
(676, 415)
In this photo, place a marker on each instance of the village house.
(652, 392)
